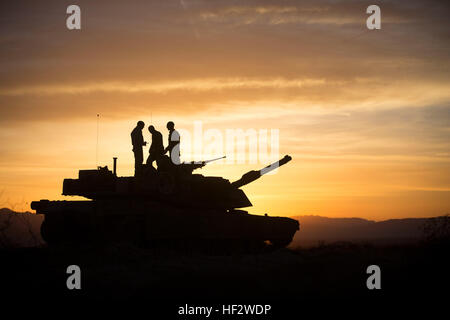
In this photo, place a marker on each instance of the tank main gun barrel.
(253, 175)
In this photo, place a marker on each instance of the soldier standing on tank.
(174, 143)
(157, 147)
(138, 142)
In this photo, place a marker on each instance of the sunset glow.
(364, 114)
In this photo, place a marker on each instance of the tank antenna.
(96, 148)
(115, 166)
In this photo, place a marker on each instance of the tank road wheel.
(166, 183)
(64, 227)
(50, 232)
(279, 243)
(45, 232)
(255, 246)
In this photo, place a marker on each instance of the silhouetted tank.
(170, 205)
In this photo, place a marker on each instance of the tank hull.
(150, 223)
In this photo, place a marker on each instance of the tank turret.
(168, 204)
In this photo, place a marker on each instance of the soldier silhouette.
(157, 147)
(137, 140)
(174, 143)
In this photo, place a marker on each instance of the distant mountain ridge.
(315, 229)
(19, 229)
(22, 229)
(9, 211)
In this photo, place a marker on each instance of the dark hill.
(19, 229)
(23, 230)
(316, 229)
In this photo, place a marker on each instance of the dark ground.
(290, 280)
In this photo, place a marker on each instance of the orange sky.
(364, 114)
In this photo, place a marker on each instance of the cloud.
(165, 87)
(402, 134)
(194, 56)
(200, 96)
(319, 12)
